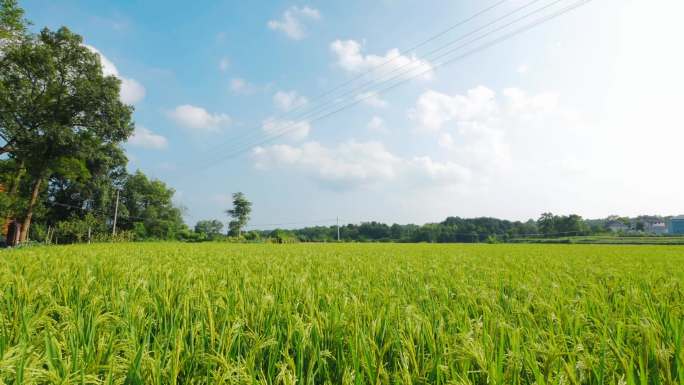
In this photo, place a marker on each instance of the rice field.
(213, 313)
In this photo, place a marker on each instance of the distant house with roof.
(651, 224)
(658, 228)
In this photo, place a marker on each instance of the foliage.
(77, 229)
(451, 230)
(282, 236)
(146, 207)
(57, 109)
(240, 213)
(12, 23)
(166, 313)
(210, 229)
(252, 236)
(119, 237)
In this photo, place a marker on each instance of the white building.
(658, 228)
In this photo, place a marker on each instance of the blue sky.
(578, 115)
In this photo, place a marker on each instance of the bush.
(282, 236)
(75, 230)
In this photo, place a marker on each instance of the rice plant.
(171, 313)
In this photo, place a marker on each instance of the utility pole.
(338, 229)
(116, 212)
(89, 232)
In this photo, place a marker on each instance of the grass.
(608, 240)
(171, 313)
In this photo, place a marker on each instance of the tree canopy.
(62, 126)
(57, 110)
(239, 213)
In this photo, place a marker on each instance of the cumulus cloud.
(287, 101)
(131, 91)
(355, 164)
(350, 164)
(198, 118)
(474, 133)
(372, 99)
(350, 58)
(293, 20)
(478, 127)
(142, 137)
(433, 108)
(294, 130)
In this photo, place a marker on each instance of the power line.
(291, 223)
(366, 88)
(303, 117)
(449, 61)
(388, 61)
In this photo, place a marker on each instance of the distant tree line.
(451, 230)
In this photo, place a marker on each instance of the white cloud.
(224, 64)
(522, 69)
(142, 137)
(377, 124)
(433, 108)
(198, 118)
(372, 99)
(294, 130)
(292, 22)
(358, 164)
(287, 101)
(350, 164)
(479, 146)
(441, 172)
(131, 91)
(476, 127)
(481, 139)
(351, 58)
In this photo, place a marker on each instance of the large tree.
(56, 103)
(240, 213)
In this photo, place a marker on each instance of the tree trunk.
(12, 194)
(17, 180)
(26, 226)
